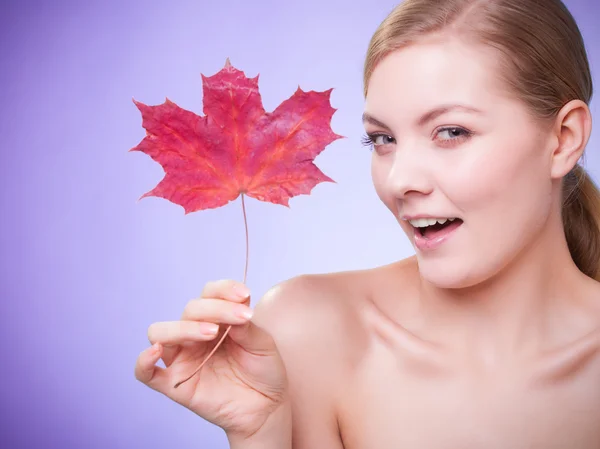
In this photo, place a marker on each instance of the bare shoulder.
(321, 313)
(315, 320)
(310, 319)
(311, 312)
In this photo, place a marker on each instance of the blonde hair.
(543, 62)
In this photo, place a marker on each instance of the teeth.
(424, 222)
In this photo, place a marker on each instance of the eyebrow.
(427, 117)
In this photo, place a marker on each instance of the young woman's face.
(449, 145)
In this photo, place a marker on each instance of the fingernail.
(210, 328)
(241, 291)
(244, 312)
(155, 348)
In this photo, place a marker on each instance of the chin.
(459, 274)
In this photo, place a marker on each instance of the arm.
(302, 316)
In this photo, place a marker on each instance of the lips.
(432, 236)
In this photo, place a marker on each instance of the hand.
(244, 381)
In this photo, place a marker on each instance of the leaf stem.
(229, 327)
(247, 246)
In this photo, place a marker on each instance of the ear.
(571, 132)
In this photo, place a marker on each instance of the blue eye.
(373, 140)
(454, 133)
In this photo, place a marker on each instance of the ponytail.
(581, 220)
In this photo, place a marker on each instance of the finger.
(253, 339)
(226, 289)
(170, 333)
(216, 311)
(147, 372)
(169, 353)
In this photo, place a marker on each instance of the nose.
(409, 174)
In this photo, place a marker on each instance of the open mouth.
(432, 228)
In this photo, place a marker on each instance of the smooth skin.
(243, 382)
(490, 341)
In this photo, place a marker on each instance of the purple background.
(85, 268)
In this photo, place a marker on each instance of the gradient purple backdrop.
(85, 268)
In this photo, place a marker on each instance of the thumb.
(257, 334)
(253, 338)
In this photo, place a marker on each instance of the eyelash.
(368, 139)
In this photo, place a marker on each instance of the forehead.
(435, 71)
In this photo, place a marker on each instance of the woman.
(477, 113)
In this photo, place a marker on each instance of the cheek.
(379, 176)
(502, 178)
(507, 199)
(504, 206)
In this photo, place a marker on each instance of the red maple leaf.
(237, 147)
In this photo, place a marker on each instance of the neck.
(511, 311)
